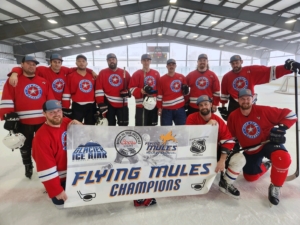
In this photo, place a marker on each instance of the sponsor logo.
(86, 197)
(198, 186)
(90, 151)
(202, 83)
(128, 143)
(33, 91)
(115, 80)
(176, 86)
(85, 86)
(58, 85)
(240, 83)
(198, 146)
(251, 129)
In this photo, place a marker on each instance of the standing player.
(80, 89)
(236, 161)
(143, 86)
(170, 99)
(247, 77)
(112, 92)
(27, 101)
(49, 151)
(254, 124)
(203, 81)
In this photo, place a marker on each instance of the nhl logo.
(198, 146)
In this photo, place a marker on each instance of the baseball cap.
(51, 105)
(203, 98)
(56, 56)
(171, 61)
(235, 58)
(146, 56)
(110, 55)
(245, 92)
(202, 56)
(81, 57)
(29, 58)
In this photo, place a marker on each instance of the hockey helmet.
(149, 102)
(102, 122)
(13, 140)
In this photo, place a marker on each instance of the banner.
(113, 164)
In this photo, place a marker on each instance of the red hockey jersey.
(49, 150)
(255, 128)
(224, 136)
(26, 99)
(169, 92)
(247, 78)
(203, 83)
(109, 83)
(79, 88)
(139, 80)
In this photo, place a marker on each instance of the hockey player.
(143, 86)
(170, 99)
(80, 88)
(246, 78)
(202, 81)
(26, 100)
(112, 92)
(235, 162)
(49, 151)
(254, 124)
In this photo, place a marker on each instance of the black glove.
(125, 93)
(224, 112)
(67, 113)
(292, 65)
(12, 122)
(101, 111)
(149, 90)
(185, 89)
(277, 135)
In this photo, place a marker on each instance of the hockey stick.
(124, 86)
(143, 117)
(296, 174)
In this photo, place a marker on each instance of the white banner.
(113, 164)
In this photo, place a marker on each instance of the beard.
(236, 69)
(28, 72)
(112, 66)
(81, 68)
(245, 106)
(55, 121)
(202, 66)
(205, 112)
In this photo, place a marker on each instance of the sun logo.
(167, 137)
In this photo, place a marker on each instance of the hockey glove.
(292, 65)
(125, 93)
(224, 112)
(67, 113)
(149, 90)
(277, 135)
(185, 89)
(101, 112)
(12, 122)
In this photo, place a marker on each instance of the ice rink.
(22, 201)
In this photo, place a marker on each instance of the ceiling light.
(195, 36)
(52, 21)
(128, 36)
(173, 1)
(214, 22)
(97, 46)
(82, 38)
(291, 21)
(122, 22)
(221, 46)
(159, 34)
(244, 38)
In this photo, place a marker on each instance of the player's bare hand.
(212, 122)
(13, 80)
(159, 111)
(94, 75)
(62, 196)
(220, 166)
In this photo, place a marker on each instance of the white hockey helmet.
(13, 140)
(149, 102)
(102, 122)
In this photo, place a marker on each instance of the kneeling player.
(254, 124)
(235, 162)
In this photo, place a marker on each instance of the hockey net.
(288, 86)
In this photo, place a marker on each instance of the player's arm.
(7, 101)
(67, 71)
(224, 91)
(159, 99)
(66, 97)
(50, 95)
(216, 91)
(99, 92)
(134, 88)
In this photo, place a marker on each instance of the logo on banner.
(198, 186)
(86, 197)
(166, 145)
(128, 143)
(33, 91)
(198, 146)
(251, 129)
(240, 83)
(90, 151)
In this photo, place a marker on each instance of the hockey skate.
(274, 193)
(28, 170)
(228, 189)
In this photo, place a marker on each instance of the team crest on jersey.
(176, 86)
(64, 140)
(33, 91)
(202, 83)
(251, 129)
(149, 80)
(58, 85)
(115, 80)
(85, 86)
(240, 83)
